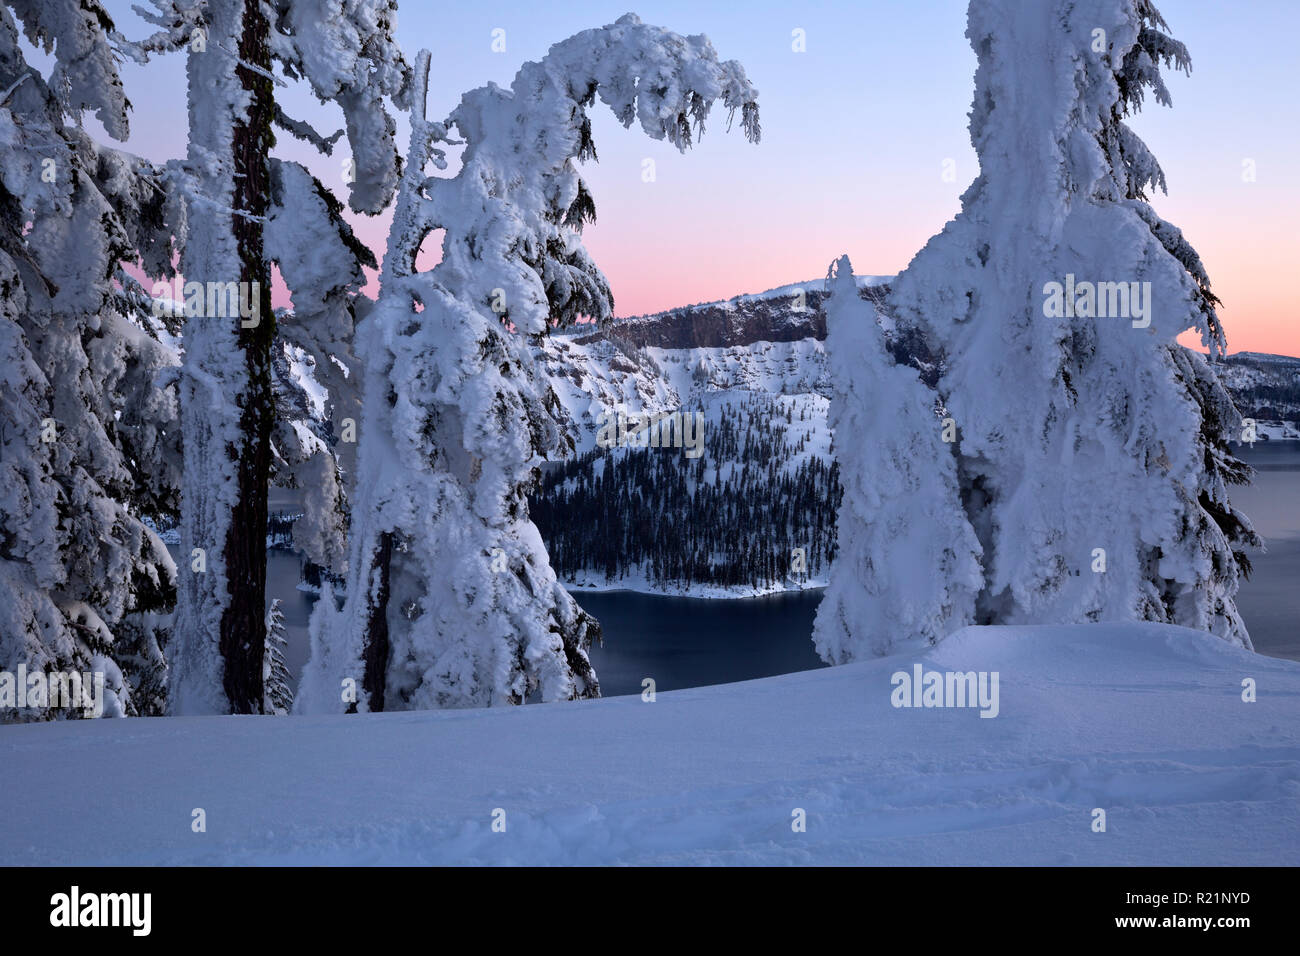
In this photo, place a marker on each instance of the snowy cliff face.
(759, 342)
(769, 342)
(1265, 388)
(787, 313)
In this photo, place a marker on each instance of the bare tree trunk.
(243, 626)
(375, 655)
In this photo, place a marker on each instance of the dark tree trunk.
(375, 656)
(243, 626)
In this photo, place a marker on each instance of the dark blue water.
(1269, 601)
(690, 642)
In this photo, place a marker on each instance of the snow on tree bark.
(226, 405)
(445, 566)
(346, 51)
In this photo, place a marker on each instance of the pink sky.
(856, 130)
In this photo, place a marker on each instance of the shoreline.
(705, 592)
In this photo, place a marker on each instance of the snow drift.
(1145, 721)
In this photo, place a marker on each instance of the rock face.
(790, 313)
(1266, 387)
(787, 314)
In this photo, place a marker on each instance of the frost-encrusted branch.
(347, 51)
(178, 22)
(1171, 238)
(321, 261)
(85, 75)
(9, 90)
(251, 67)
(522, 146)
(1141, 67)
(306, 132)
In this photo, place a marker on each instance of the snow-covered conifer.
(83, 578)
(276, 680)
(451, 599)
(906, 570)
(1092, 450)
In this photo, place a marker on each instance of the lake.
(690, 642)
(1270, 601)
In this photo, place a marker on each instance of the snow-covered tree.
(907, 569)
(345, 51)
(136, 373)
(321, 262)
(451, 599)
(1092, 448)
(84, 414)
(276, 680)
(135, 362)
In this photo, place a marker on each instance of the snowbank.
(1144, 721)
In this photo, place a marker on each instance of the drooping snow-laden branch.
(519, 198)
(306, 132)
(343, 49)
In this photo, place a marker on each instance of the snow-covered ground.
(1144, 721)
